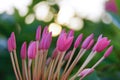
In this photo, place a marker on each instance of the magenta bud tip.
(32, 49)
(86, 72)
(38, 33)
(108, 52)
(23, 50)
(87, 41)
(78, 41)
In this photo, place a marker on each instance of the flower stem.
(56, 61)
(66, 67)
(89, 58)
(43, 63)
(98, 62)
(80, 54)
(17, 65)
(25, 66)
(29, 69)
(23, 69)
(13, 64)
(36, 64)
(40, 59)
(48, 68)
(50, 72)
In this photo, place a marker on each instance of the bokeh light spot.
(55, 29)
(29, 19)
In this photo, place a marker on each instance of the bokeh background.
(83, 16)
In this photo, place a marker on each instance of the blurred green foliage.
(109, 69)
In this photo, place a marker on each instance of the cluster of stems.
(37, 65)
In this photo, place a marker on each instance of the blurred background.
(83, 16)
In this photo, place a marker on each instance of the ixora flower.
(37, 65)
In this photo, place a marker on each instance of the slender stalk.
(36, 64)
(44, 62)
(56, 61)
(80, 54)
(17, 65)
(32, 67)
(98, 62)
(50, 72)
(13, 64)
(89, 58)
(60, 64)
(23, 69)
(40, 60)
(68, 63)
(29, 69)
(48, 68)
(63, 62)
(25, 66)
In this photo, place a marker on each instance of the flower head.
(86, 72)
(44, 68)
(101, 44)
(78, 40)
(24, 50)
(32, 49)
(87, 41)
(10, 49)
(45, 41)
(90, 44)
(67, 56)
(55, 53)
(38, 33)
(48, 61)
(71, 33)
(13, 40)
(64, 42)
(109, 50)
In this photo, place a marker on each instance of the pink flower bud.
(45, 31)
(42, 42)
(47, 41)
(86, 72)
(78, 40)
(71, 33)
(68, 42)
(61, 42)
(48, 61)
(63, 31)
(90, 44)
(55, 53)
(67, 56)
(38, 33)
(64, 42)
(100, 37)
(13, 40)
(23, 50)
(109, 50)
(101, 44)
(32, 49)
(87, 41)
(10, 49)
